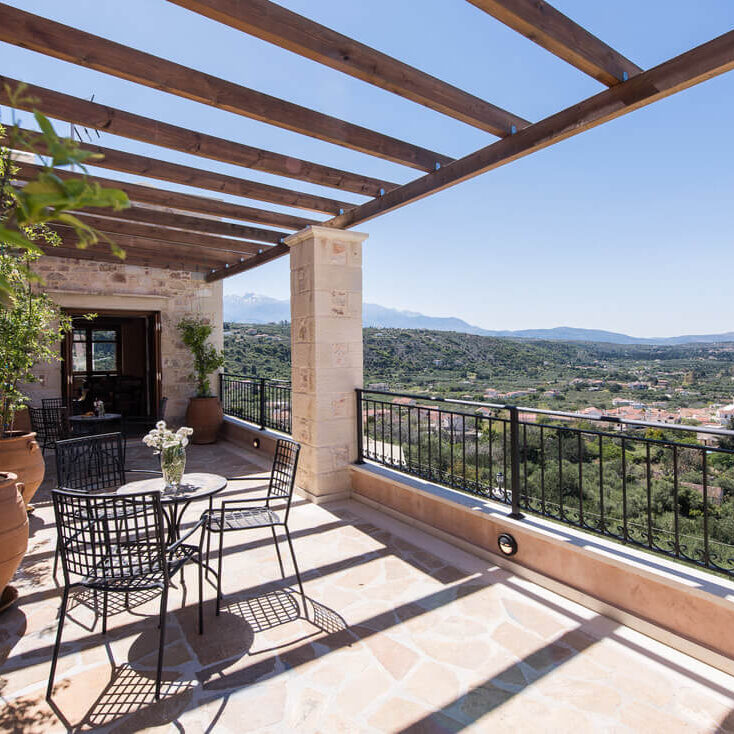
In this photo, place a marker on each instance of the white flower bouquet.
(171, 445)
(161, 437)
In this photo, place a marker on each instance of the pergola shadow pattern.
(158, 230)
(404, 633)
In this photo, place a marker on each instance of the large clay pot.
(205, 416)
(21, 455)
(13, 527)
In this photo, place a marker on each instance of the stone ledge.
(680, 606)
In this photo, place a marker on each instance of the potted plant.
(13, 534)
(30, 328)
(204, 413)
(30, 323)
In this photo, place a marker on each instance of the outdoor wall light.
(256, 443)
(507, 544)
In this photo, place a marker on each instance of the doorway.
(113, 357)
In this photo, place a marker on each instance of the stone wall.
(175, 293)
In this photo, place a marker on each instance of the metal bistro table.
(174, 502)
(87, 425)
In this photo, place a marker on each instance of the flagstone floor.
(402, 633)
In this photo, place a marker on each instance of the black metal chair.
(238, 514)
(51, 424)
(92, 464)
(116, 543)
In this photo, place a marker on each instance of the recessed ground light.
(507, 544)
(256, 443)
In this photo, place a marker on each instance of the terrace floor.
(404, 633)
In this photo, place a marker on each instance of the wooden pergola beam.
(252, 262)
(164, 218)
(186, 202)
(555, 32)
(85, 49)
(172, 259)
(115, 227)
(690, 68)
(141, 165)
(144, 129)
(284, 28)
(137, 245)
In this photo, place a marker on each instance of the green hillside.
(450, 363)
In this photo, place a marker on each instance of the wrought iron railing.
(645, 484)
(267, 403)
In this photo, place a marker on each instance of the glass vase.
(173, 463)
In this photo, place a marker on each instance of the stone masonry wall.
(174, 293)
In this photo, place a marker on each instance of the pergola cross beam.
(187, 202)
(690, 68)
(85, 49)
(141, 165)
(551, 29)
(97, 116)
(288, 30)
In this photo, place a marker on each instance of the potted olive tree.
(30, 323)
(204, 413)
(30, 328)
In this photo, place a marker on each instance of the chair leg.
(201, 595)
(295, 565)
(104, 612)
(277, 550)
(219, 569)
(57, 645)
(56, 560)
(162, 640)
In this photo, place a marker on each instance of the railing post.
(515, 462)
(360, 429)
(221, 388)
(262, 404)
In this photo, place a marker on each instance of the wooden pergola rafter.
(167, 228)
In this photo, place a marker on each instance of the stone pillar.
(326, 355)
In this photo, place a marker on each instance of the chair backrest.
(108, 537)
(51, 423)
(91, 462)
(53, 402)
(283, 474)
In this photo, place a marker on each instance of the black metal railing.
(645, 484)
(267, 403)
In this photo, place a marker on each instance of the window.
(95, 350)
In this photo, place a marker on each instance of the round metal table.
(194, 486)
(86, 425)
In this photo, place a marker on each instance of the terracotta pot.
(13, 527)
(21, 455)
(205, 416)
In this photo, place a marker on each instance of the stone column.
(326, 355)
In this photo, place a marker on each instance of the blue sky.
(627, 227)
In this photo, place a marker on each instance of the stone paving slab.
(402, 633)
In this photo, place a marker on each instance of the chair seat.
(136, 576)
(240, 519)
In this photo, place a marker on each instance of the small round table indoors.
(174, 502)
(86, 425)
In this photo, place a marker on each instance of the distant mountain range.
(252, 308)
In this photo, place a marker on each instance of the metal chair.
(89, 464)
(238, 514)
(51, 424)
(115, 543)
